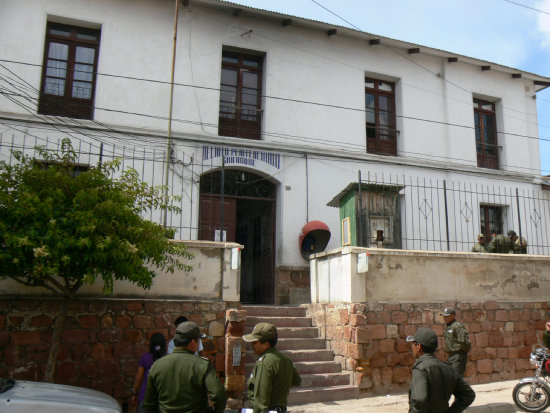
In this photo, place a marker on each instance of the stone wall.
(102, 340)
(369, 340)
(292, 285)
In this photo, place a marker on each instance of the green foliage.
(60, 229)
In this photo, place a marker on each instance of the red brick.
(89, 369)
(383, 317)
(2, 320)
(355, 350)
(22, 338)
(164, 320)
(98, 351)
(484, 366)
(123, 321)
(89, 321)
(399, 317)
(378, 360)
(196, 318)
(401, 375)
(109, 368)
(65, 371)
(134, 306)
(502, 315)
(74, 336)
(106, 321)
(143, 321)
(387, 346)
(79, 350)
(153, 307)
(15, 321)
(427, 317)
(357, 320)
(366, 333)
(491, 305)
(133, 336)
(41, 321)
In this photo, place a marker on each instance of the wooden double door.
(249, 221)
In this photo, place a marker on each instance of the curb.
(493, 408)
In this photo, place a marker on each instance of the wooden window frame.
(484, 159)
(375, 144)
(485, 222)
(66, 104)
(240, 126)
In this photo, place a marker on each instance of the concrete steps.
(322, 377)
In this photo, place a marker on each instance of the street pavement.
(490, 398)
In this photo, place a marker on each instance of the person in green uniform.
(499, 244)
(457, 342)
(433, 381)
(519, 244)
(182, 381)
(273, 374)
(480, 246)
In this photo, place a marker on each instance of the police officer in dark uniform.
(433, 381)
(457, 342)
(182, 381)
(273, 374)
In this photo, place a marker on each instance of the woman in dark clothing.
(157, 349)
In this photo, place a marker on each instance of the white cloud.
(543, 22)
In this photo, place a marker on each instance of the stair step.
(309, 355)
(325, 380)
(303, 395)
(279, 311)
(279, 321)
(292, 332)
(307, 367)
(297, 344)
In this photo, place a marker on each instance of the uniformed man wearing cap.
(519, 244)
(457, 342)
(433, 381)
(273, 374)
(480, 246)
(182, 381)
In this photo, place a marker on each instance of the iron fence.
(413, 213)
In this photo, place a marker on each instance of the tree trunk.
(56, 340)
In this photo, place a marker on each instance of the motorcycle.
(532, 394)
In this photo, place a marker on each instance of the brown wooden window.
(69, 72)
(486, 134)
(380, 114)
(490, 219)
(240, 95)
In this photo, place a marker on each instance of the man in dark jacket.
(433, 381)
(456, 340)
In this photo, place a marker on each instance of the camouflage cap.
(481, 236)
(263, 332)
(424, 336)
(448, 311)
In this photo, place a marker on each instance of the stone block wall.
(102, 340)
(369, 340)
(292, 285)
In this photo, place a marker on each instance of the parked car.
(19, 396)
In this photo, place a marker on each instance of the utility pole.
(169, 135)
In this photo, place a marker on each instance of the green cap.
(263, 332)
(424, 336)
(188, 330)
(448, 311)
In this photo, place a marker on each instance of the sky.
(513, 33)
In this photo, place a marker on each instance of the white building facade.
(290, 112)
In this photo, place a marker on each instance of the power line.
(527, 7)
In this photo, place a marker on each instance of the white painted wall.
(302, 64)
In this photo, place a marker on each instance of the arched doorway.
(249, 219)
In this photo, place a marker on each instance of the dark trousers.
(458, 361)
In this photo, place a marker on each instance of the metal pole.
(169, 135)
(446, 215)
(519, 214)
(360, 213)
(222, 190)
(307, 190)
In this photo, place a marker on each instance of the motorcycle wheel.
(522, 397)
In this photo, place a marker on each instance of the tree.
(62, 227)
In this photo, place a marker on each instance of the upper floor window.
(240, 95)
(486, 134)
(380, 111)
(69, 73)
